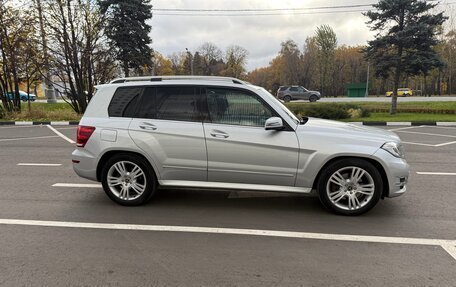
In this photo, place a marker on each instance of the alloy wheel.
(350, 188)
(126, 180)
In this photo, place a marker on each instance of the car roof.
(178, 80)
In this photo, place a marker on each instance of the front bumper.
(397, 172)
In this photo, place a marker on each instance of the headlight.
(394, 148)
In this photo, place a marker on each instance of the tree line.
(207, 60)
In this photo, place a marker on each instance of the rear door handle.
(147, 126)
(219, 134)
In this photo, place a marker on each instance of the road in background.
(386, 99)
(58, 256)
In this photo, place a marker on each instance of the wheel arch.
(375, 163)
(104, 158)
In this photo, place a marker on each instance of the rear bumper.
(84, 164)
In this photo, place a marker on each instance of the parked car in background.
(402, 92)
(290, 93)
(22, 95)
(139, 134)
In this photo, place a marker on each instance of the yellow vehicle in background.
(402, 92)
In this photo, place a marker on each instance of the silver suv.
(139, 134)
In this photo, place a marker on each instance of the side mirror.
(274, 123)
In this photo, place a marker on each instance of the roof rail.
(176, 78)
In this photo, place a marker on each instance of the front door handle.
(147, 126)
(219, 134)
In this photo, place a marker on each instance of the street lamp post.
(49, 90)
(367, 81)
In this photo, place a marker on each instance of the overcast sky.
(260, 35)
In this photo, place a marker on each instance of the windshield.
(282, 106)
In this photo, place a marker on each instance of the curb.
(407, 124)
(74, 123)
(63, 123)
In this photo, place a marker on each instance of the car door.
(302, 94)
(168, 127)
(294, 93)
(239, 149)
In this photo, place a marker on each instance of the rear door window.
(176, 103)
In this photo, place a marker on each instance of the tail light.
(83, 135)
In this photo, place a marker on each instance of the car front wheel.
(350, 186)
(128, 179)
(313, 98)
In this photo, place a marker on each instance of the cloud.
(260, 35)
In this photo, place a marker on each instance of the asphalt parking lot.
(232, 238)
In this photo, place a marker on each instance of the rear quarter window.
(123, 102)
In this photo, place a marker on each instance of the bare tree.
(235, 60)
(211, 56)
(15, 29)
(79, 58)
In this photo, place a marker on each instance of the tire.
(24, 99)
(313, 98)
(286, 99)
(346, 195)
(123, 188)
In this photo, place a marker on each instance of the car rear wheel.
(313, 98)
(350, 186)
(128, 179)
(287, 99)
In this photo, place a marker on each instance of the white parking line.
(427, 134)
(88, 185)
(39, 164)
(431, 145)
(30, 138)
(435, 173)
(444, 144)
(61, 135)
(406, 128)
(422, 144)
(448, 245)
(18, 127)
